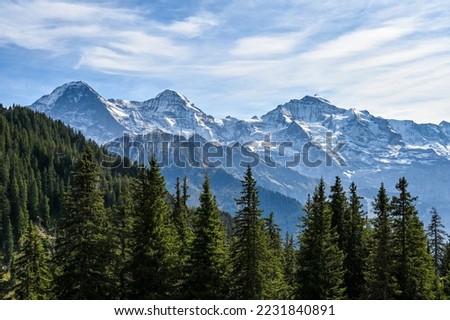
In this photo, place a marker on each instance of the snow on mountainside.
(79, 106)
(169, 111)
(372, 149)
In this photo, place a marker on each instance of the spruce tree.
(31, 269)
(290, 265)
(276, 286)
(339, 213)
(382, 281)
(415, 274)
(446, 260)
(33, 200)
(249, 244)
(84, 251)
(155, 245)
(437, 241)
(356, 251)
(18, 213)
(181, 216)
(320, 261)
(206, 264)
(446, 273)
(122, 228)
(185, 195)
(4, 283)
(7, 233)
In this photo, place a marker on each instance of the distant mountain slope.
(294, 144)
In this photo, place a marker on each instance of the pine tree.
(44, 210)
(123, 224)
(339, 213)
(290, 265)
(446, 273)
(446, 260)
(415, 274)
(155, 245)
(7, 232)
(276, 286)
(382, 281)
(181, 217)
(84, 245)
(4, 283)
(18, 214)
(185, 196)
(436, 241)
(33, 200)
(206, 264)
(249, 246)
(31, 269)
(320, 261)
(355, 262)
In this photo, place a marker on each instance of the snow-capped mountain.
(169, 111)
(81, 107)
(295, 144)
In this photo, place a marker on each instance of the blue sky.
(239, 58)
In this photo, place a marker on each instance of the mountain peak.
(71, 92)
(316, 97)
(168, 93)
(76, 83)
(171, 95)
(309, 108)
(170, 101)
(78, 86)
(77, 104)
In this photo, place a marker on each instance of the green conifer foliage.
(340, 219)
(155, 245)
(356, 251)
(415, 272)
(206, 264)
(437, 241)
(320, 261)
(84, 244)
(381, 278)
(276, 286)
(32, 275)
(249, 245)
(290, 265)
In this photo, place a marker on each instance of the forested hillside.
(71, 229)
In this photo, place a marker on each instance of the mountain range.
(291, 146)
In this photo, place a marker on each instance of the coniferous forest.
(72, 229)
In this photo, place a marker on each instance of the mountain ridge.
(371, 149)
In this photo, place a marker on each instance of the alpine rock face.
(294, 145)
(79, 106)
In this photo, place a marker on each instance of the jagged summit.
(78, 88)
(375, 149)
(315, 97)
(310, 117)
(78, 84)
(79, 105)
(170, 94)
(309, 109)
(170, 101)
(69, 93)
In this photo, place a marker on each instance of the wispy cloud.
(266, 45)
(242, 57)
(192, 26)
(364, 40)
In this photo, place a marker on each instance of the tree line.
(102, 234)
